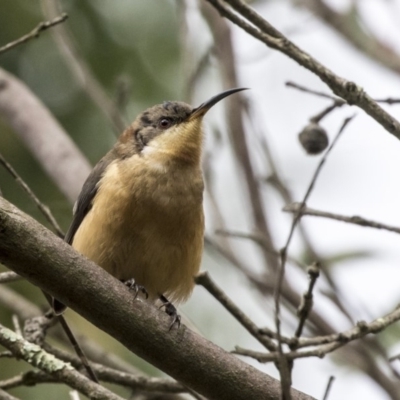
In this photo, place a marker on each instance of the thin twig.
(42, 207)
(284, 250)
(328, 387)
(257, 238)
(106, 374)
(71, 337)
(204, 280)
(302, 88)
(307, 300)
(355, 219)
(266, 33)
(34, 33)
(322, 114)
(388, 100)
(330, 343)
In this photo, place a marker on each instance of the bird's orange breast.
(147, 223)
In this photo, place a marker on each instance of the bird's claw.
(171, 311)
(133, 286)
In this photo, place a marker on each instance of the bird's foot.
(171, 310)
(133, 286)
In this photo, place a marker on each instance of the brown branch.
(37, 357)
(204, 280)
(283, 360)
(34, 33)
(304, 89)
(331, 342)
(26, 310)
(45, 210)
(388, 100)
(263, 31)
(112, 375)
(356, 220)
(142, 328)
(43, 135)
(307, 300)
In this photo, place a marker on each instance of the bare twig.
(255, 237)
(328, 387)
(104, 373)
(322, 114)
(356, 220)
(266, 33)
(284, 250)
(42, 207)
(388, 100)
(307, 299)
(34, 33)
(72, 339)
(204, 280)
(302, 88)
(298, 216)
(329, 343)
(25, 310)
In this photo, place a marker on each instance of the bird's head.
(172, 129)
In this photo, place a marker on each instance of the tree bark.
(37, 254)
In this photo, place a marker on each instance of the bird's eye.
(164, 123)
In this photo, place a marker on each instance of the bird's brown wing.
(84, 202)
(82, 207)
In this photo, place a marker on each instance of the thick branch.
(36, 254)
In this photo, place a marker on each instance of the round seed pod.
(313, 139)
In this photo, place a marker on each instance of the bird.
(139, 214)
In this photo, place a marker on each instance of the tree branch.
(36, 356)
(39, 256)
(354, 219)
(34, 33)
(266, 33)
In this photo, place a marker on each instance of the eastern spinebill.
(140, 212)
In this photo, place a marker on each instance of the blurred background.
(141, 53)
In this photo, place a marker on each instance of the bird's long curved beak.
(203, 108)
